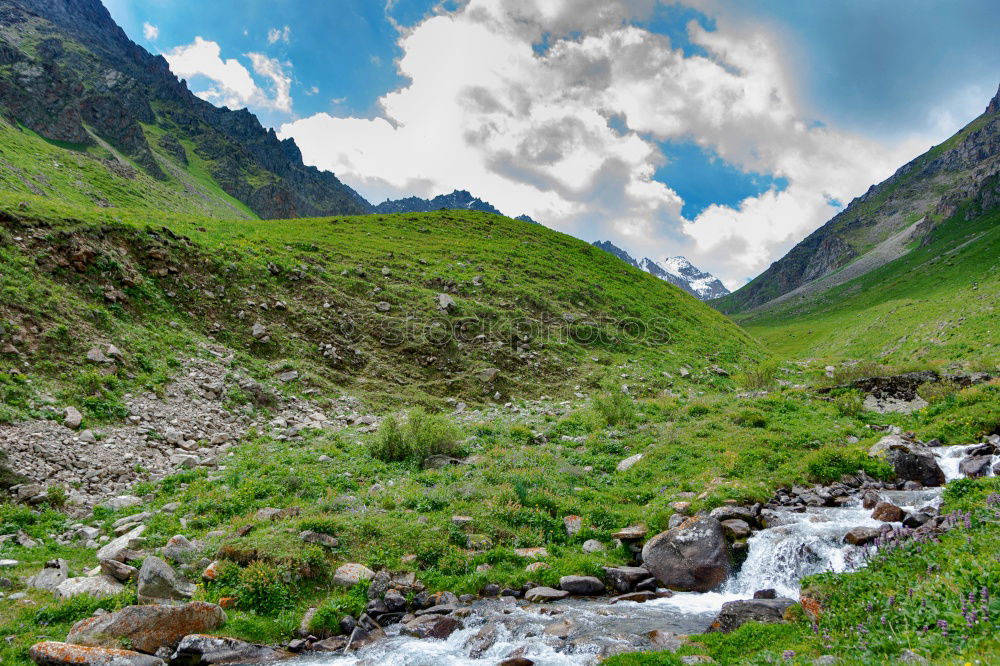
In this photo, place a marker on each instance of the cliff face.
(929, 189)
(68, 72)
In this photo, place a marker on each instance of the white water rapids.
(778, 557)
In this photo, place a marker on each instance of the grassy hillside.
(936, 305)
(350, 303)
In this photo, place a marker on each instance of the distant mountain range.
(457, 200)
(675, 270)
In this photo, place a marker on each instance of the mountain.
(887, 221)
(128, 127)
(675, 270)
(457, 200)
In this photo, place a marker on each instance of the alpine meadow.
(268, 393)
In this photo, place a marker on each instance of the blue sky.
(406, 97)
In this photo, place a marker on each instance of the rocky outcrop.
(160, 584)
(691, 557)
(910, 461)
(457, 200)
(147, 628)
(202, 650)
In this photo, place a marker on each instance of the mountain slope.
(677, 271)
(71, 76)
(888, 220)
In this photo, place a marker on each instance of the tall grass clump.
(761, 377)
(416, 437)
(614, 409)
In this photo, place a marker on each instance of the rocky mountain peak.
(677, 271)
(994, 105)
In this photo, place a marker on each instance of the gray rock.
(581, 585)
(432, 626)
(159, 583)
(736, 528)
(975, 466)
(628, 462)
(735, 614)
(624, 579)
(72, 418)
(445, 302)
(691, 557)
(120, 571)
(862, 536)
(51, 577)
(544, 594)
(326, 540)
(95, 586)
(181, 549)
(352, 573)
(203, 650)
(118, 548)
(593, 546)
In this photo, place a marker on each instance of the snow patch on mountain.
(675, 270)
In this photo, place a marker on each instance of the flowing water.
(778, 557)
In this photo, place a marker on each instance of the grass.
(935, 306)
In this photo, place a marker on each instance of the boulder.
(544, 594)
(910, 461)
(533, 553)
(159, 583)
(862, 536)
(363, 637)
(975, 466)
(352, 573)
(735, 614)
(732, 512)
(887, 513)
(203, 650)
(95, 586)
(72, 418)
(52, 653)
(432, 626)
(692, 557)
(180, 549)
(624, 579)
(592, 546)
(120, 571)
(581, 585)
(51, 577)
(117, 549)
(309, 536)
(628, 462)
(445, 302)
(147, 628)
(735, 528)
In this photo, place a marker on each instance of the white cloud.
(150, 32)
(279, 35)
(530, 132)
(232, 84)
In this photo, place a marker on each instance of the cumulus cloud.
(532, 131)
(279, 35)
(232, 84)
(150, 31)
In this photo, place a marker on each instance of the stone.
(445, 302)
(258, 331)
(735, 614)
(288, 376)
(382, 306)
(537, 566)
(120, 571)
(118, 548)
(482, 640)
(975, 466)
(72, 418)
(535, 553)
(159, 583)
(769, 593)
(624, 579)
(734, 512)
(440, 461)
(53, 653)
(573, 524)
(544, 594)
(432, 626)
(911, 657)
(51, 576)
(887, 513)
(95, 586)
(862, 536)
(581, 585)
(204, 650)
(180, 549)
(559, 629)
(592, 546)
(147, 628)
(910, 461)
(665, 641)
(488, 375)
(630, 533)
(735, 529)
(309, 536)
(352, 573)
(628, 462)
(693, 557)
(640, 597)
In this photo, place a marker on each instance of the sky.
(721, 131)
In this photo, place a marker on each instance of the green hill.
(350, 303)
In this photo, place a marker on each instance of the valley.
(246, 417)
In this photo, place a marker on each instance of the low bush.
(614, 409)
(760, 377)
(262, 589)
(418, 436)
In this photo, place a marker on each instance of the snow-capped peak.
(675, 270)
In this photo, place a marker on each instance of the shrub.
(934, 392)
(850, 404)
(614, 409)
(328, 614)
(759, 378)
(262, 589)
(419, 436)
(828, 465)
(750, 418)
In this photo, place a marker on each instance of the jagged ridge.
(677, 271)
